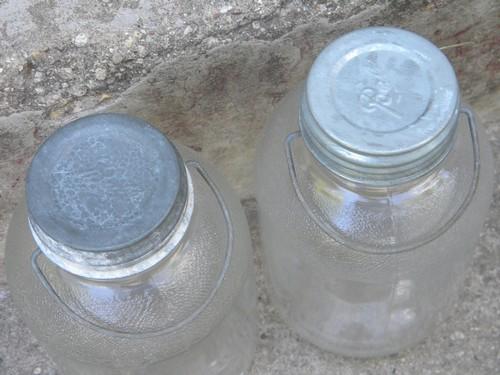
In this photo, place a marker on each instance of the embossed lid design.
(104, 190)
(380, 106)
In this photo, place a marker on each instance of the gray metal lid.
(102, 185)
(380, 106)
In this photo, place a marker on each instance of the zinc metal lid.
(380, 102)
(104, 182)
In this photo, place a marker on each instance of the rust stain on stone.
(463, 31)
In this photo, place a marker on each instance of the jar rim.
(104, 193)
(380, 106)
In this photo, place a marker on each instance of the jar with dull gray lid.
(373, 182)
(131, 255)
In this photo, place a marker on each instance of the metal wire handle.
(342, 239)
(139, 335)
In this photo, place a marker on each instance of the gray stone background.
(208, 73)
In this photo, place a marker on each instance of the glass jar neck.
(364, 188)
(128, 261)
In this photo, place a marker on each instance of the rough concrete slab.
(208, 74)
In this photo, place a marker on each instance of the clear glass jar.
(130, 257)
(372, 185)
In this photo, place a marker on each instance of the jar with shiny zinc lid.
(131, 255)
(373, 182)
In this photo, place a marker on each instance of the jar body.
(359, 271)
(192, 313)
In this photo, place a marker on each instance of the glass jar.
(131, 255)
(373, 183)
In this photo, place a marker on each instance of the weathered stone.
(212, 88)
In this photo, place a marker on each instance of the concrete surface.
(208, 74)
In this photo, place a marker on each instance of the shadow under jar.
(373, 184)
(132, 256)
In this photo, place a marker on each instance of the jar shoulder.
(375, 218)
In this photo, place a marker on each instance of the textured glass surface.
(194, 313)
(370, 283)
